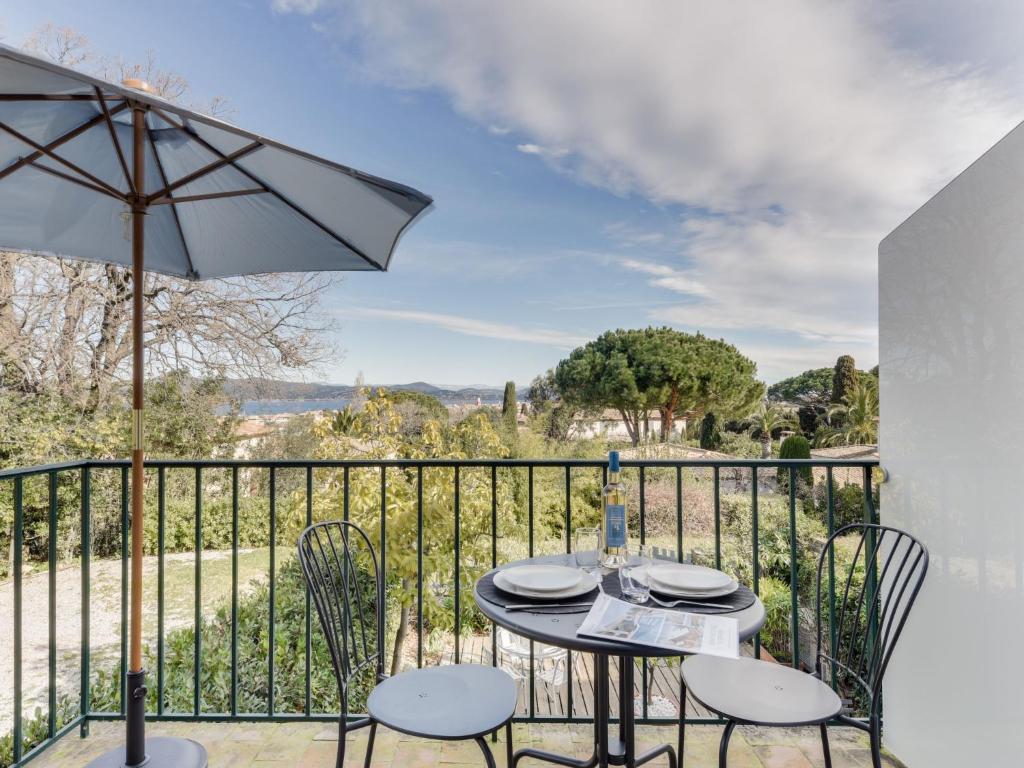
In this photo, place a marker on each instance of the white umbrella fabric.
(112, 173)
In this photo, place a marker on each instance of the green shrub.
(847, 503)
(795, 447)
(35, 729)
(710, 434)
(776, 632)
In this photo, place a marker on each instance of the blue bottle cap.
(613, 461)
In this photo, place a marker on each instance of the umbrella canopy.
(221, 201)
(114, 174)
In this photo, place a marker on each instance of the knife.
(531, 606)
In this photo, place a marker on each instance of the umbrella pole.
(159, 752)
(136, 709)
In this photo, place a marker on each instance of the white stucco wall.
(951, 309)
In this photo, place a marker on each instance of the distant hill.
(270, 389)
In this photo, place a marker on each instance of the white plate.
(688, 578)
(502, 583)
(641, 575)
(543, 578)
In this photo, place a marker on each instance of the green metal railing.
(62, 504)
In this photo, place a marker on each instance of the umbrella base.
(161, 752)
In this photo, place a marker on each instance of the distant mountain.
(270, 389)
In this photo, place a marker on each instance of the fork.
(674, 603)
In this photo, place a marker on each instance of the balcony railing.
(438, 524)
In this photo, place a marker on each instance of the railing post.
(458, 572)
(756, 534)
(51, 719)
(794, 576)
(86, 556)
(234, 593)
(271, 637)
(19, 546)
(161, 543)
(197, 648)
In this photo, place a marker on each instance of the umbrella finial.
(137, 84)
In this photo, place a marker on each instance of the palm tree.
(766, 419)
(859, 416)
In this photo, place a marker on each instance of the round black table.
(560, 630)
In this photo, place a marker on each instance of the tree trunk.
(766, 446)
(400, 632)
(632, 428)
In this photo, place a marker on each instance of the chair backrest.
(340, 566)
(877, 572)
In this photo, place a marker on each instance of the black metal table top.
(560, 629)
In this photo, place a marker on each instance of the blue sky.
(726, 169)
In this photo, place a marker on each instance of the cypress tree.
(710, 435)
(508, 406)
(844, 380)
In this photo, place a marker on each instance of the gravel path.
(105, 617)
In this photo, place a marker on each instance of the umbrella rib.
(177, 221)
(204, 171)
(73, 133)
(304, 214)
(54, 156)
(113, 140)
(209, 196)
(73, 180)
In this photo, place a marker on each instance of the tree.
(65, 325)
(416, 409)
(814, 385)
(844, 378)
(509, 411)
(856, 419)
(710, 435)
(795, 447)
(768, 419)
(543, 391)
(635, 371)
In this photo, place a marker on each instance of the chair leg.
(488, 757)
(508, 744)
(369, 745)
(824, 746)
(723, 748)
(876, 742)
(682, 718)
(342, 730)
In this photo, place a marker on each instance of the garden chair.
(453, 702)
(850, 660)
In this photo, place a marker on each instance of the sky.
(728, 168)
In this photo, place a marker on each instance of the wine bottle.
(613, 497)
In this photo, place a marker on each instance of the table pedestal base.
(608, 750)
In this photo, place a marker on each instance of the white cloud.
(304, 7)
(667, 277)
(469, 326)
(797, 133)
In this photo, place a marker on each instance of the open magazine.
(612, 619)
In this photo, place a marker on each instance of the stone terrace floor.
(309, 745)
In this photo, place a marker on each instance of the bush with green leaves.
(795, 447)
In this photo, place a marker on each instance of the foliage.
(856, 417)
(415, 409)
(181, 421)
(844, 378)
(740, 445)
(35, 729)
(768, 419)
(253, 651)
(795, 447)
(776, 634)
(634, 371)
(543, 391)
(847, 503)
(814, 384)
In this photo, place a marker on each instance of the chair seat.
(759, 692)
(459, 701)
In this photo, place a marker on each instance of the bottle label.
(615, 525)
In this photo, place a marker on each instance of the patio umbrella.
(113, 173)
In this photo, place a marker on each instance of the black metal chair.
(850, 661)
(454, 702)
